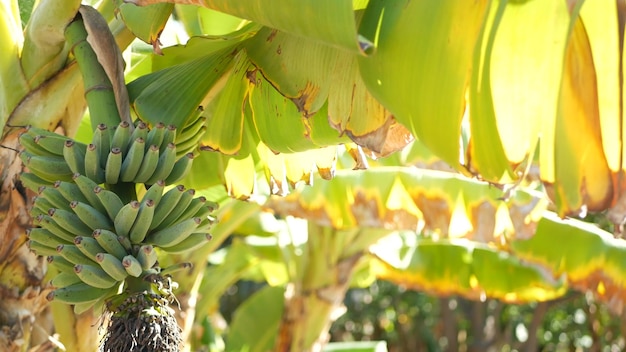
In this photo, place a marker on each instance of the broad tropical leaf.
(408, 198)
(590, 258)
(469, 269)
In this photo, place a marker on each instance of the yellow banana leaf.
(442, 203)
(582, 177)
(523, 69)
(460, 267)
(421, 65)
(600, 20)
(329, 21)
(592, 259)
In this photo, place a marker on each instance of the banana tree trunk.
(314, 299)
(25, 321)
(308, 314)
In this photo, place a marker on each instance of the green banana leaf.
(329, 21)
(255, 323)
(460, 267)
(590, 258)
(172, 95)
(421, 65)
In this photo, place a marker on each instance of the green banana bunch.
(94, 239)
(123, 153)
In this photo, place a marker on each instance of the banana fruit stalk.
(96, 240)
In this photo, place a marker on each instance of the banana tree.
(341, 73)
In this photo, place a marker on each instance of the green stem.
(98, 87)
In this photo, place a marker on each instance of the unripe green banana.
(191, 129)
(87, 186)
(156, 134)
(109, 200)
(174, 216)
(74, 156)
(192, 242)
(148, 164)
(53, 143)
(64, 279)
(166, 163)
(38, 131)
(155, 192)
(32, 181)
(91, 217)
(62, 264)
(142, 222)
(108, 240)
(112, 265)
(126, 217)
(174, 234)
(78, 293)
(46, 222)
(88, 246)
(193, 208)
(40, 248)
(121, 136)
(40, 206)
(54, 197)
(141, 131)
(168, 202)
(73, 255)
(47, 168)
(190, 145)
(93, 170)
(45, 237)
(125, 242)
(102, 140)
(29, 143)
(69, 220)
(147, 256)
(94, 276)
(132, 266)
(168, 137)
(70, 192)
(180, 169)
(113, 166)
(132, 160)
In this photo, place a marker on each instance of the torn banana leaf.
(590, 258)
(460, 267)
(410, 198)
(200, 46)
(309, 73)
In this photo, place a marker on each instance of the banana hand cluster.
(96, 240)
(123, 153)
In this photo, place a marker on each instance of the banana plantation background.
(391, 175)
